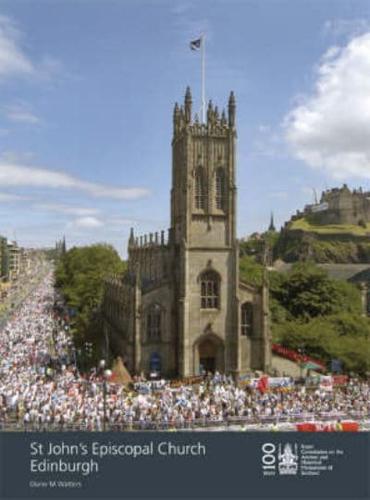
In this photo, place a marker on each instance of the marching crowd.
(37, 394)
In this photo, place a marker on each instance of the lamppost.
(302, 352)
(89, 349)
(106, 375)
(88, 354)
(72, 353)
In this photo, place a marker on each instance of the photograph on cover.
(185, 216)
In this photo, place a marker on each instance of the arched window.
(200, 189)
(247, 319)
(153, 322)
(210, 290)
(220, 189)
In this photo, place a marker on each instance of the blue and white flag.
(196, 44)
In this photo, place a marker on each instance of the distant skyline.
(87, 90)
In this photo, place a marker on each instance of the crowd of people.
(41, 388)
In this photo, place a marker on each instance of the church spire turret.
(223, 118)
(232, 109)
(131, 240)
(210, 112)
(175, 115)
(272, 225)
(188, 104)
(64, 245)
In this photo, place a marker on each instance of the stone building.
(4, 259)
(341, 206)
(180, 308)
(14, 260)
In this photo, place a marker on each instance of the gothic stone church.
(181, 307)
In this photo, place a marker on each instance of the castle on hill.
(339, 206)
(181, 308)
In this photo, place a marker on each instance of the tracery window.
(153, 322)
(210, 290)
(200, 189)
(247, 319)
(220, 189)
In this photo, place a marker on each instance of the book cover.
(184, 249)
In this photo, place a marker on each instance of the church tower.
(203, 235)
(181, 308)
(203, 194)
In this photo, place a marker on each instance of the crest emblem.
(288, 459)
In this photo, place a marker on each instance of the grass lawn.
(304, 225)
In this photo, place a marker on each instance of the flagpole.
(203, 44)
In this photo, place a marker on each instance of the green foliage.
(362, 223)
(334, 251)
(252, 254)
(311, 224)
(271, 237)
(81, 271)
(354, 352)
(255, 245)
(293, 248)
(252, 247)
(340, 243)
(306, 291)
(250, 270)
(342, 336)
(324, 315)
(80, 276)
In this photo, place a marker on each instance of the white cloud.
(329, 130)
(49, 207)
(14, 61)
(12, 174)
(21, 113)
(87, 222)
(9, 198)
(66, 209)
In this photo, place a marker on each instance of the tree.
(322, 314)
(306, 291)
(80, 276)
(250, 270)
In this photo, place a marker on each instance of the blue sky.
(86, 96)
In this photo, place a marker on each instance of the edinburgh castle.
(341, 206)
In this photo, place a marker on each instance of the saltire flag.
(196, 44)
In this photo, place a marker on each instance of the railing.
(295, 356)
(196, 424)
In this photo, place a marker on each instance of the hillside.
(301, 239)
(304, 224)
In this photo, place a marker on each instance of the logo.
(288, 460)
(269, 459)
(279, 459)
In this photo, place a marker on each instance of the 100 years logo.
(279, 459)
